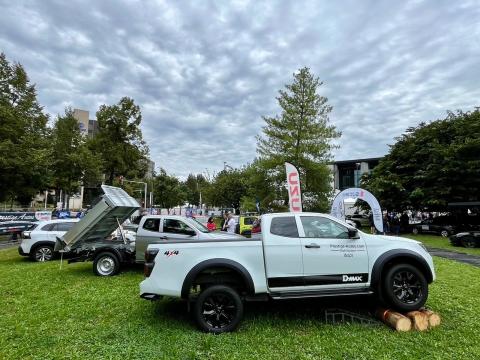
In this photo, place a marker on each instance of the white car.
(39, 242)
(298, 255)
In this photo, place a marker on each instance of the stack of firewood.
(420, 320)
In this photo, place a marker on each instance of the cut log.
(419, 320)
(433, 318)
(394, 319)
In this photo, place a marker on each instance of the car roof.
(55, 221)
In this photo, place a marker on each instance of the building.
(347, 173)
(87, 126)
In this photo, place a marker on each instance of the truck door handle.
(312, 246)
(163, 238)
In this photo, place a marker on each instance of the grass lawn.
(439, 242)
(48, 313)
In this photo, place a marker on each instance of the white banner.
(294, 193)
(357, 193)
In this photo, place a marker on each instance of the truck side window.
(175, 227)
(320, 227)
(284, 226)
(151, 224)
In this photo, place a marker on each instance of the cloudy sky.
(204, 72)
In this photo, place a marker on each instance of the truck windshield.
(200, 226)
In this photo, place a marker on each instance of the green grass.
(439, 242)
(48, 313)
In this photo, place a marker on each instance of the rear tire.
(405, 287)
(218, 309)
(106, 264)
(43, 253)
(469, 242)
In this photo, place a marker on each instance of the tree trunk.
(433, 318)
(419, 320)
(394, 319)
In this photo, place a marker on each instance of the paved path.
(452, 255)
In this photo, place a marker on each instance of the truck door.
(148, 233)
(283, 253)
(330, 257)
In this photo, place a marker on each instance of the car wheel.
(405, 287)
(444, 233)
(469, 242)
(218, 309)
(415, 231)
(43, 253)
(106, 264)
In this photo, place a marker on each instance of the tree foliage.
(168, 190)
(119, 141)
(73, 161)
(301, 135)
(24, 136)
(431, 165)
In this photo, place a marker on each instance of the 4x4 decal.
(169, 253)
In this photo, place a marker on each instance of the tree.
(229, 187)
(73, 161)
(119, 140)
(195, 184)
(24, 143)
(168, 190)
(301, 135)
(431, 165)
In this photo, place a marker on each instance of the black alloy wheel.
(218, 309)
(469, 242)
(405, 287)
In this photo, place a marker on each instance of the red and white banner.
(294, 193)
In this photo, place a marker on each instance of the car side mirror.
(353, 233)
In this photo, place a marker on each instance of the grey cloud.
(205, 72)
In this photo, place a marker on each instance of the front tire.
(106, 264)
(218, 309)
(43, 253)
(469, 242)
(405, 287)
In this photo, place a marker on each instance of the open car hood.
(100, 221)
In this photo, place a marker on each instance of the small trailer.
(90, 239)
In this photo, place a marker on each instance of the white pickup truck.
(298, 255)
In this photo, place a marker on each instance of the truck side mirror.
(353, 233)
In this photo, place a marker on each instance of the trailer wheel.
(106, 264)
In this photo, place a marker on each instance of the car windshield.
(199, 226)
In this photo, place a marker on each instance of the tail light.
(149, 261)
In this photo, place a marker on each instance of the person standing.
(231, 223)
(211, 224)
(224, 222)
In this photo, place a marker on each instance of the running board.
(320, 293)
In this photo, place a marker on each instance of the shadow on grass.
(275, 312)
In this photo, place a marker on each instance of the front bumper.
(21, 252)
